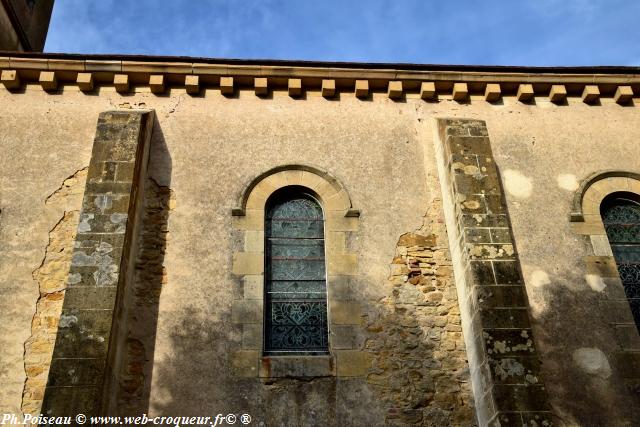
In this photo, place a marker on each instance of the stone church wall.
(183, 341)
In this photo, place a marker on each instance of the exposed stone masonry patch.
(150, 276)
(51, 277)
(419, 369)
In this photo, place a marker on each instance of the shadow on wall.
(418, 375)
(579, 352)
(197, 370)
(577, 346)
(420, 371)
(134, 383)
(196, 379)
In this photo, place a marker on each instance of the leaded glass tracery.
(296, 292)
(621, 218)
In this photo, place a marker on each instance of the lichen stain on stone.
(107, 272)
(103, 202)
(105, 248)
(471, 170)
(499, 347)
(81, 259)
(93, 337)
(471, 204)
(74, 278)
(517, 184)
(107, 269)
(504, 346)
(490, 251)
(508, 250)
(106, 275)
(67, 321)
(458, 166)
(84, 225)
(98, 257)
(118, 218)
(508, 367)
(531, 379)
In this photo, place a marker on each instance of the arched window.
(621, 217)
(295, 278)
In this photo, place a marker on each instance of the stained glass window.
(621, 218)
(296, 291)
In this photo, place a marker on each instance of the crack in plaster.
(50, 276)
(67, 184)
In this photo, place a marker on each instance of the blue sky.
(500, 32)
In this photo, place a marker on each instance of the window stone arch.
(602, 272)
(345, 358)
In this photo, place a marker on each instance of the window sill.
(297, 366)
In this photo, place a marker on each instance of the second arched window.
(295, 275)
(621, 217)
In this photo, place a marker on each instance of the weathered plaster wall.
(229, 146)
(542, 151)
(207, 148)
(40, 147)
(542, 154)
(52, 280)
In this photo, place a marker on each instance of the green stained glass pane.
(297, 289)
(296, 228)
(300, 208)
(626, 253)
(296, 269)
(623, 233)
(296, 294)
(295, 248)
(621, 218)
(627, 213)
